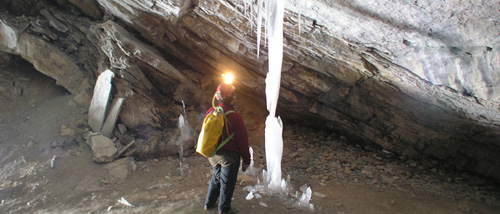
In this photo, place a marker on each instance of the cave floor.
(46, 168)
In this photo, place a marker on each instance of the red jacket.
(239, 143)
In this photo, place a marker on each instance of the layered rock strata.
(166, 52)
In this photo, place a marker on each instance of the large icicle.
(259, 25)
(274, 126)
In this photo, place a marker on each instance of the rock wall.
(168, 52)
(451, 43)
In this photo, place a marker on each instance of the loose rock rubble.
(317, 157)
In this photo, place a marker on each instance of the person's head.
(224, 94)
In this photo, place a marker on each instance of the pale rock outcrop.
(44, 56)
(451, 43)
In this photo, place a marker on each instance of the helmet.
(224, 90)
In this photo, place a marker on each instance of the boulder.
(121, 168)
(102, 147)
(66, 131)
(122, 128)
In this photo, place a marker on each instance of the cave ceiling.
(417, 79)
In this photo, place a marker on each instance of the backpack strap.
(220, 109)
(225, 119)
(222, 144)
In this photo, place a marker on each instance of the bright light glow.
(228, 78)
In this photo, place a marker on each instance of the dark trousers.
(225, 165)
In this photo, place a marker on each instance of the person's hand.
(244, 167)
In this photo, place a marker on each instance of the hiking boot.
(232, 210)
(207, 207)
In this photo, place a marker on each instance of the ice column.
(251, 168)
(274, 126)
(185, 135)
(185, 131)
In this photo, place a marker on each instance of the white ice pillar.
(274, 126)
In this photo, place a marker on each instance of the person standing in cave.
(226, 162)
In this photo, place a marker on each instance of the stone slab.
(99, 101)
(113, 113)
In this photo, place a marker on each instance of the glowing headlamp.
(228, 78)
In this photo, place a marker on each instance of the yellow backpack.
(211, 131)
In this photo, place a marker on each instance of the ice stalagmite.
(185, 136)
